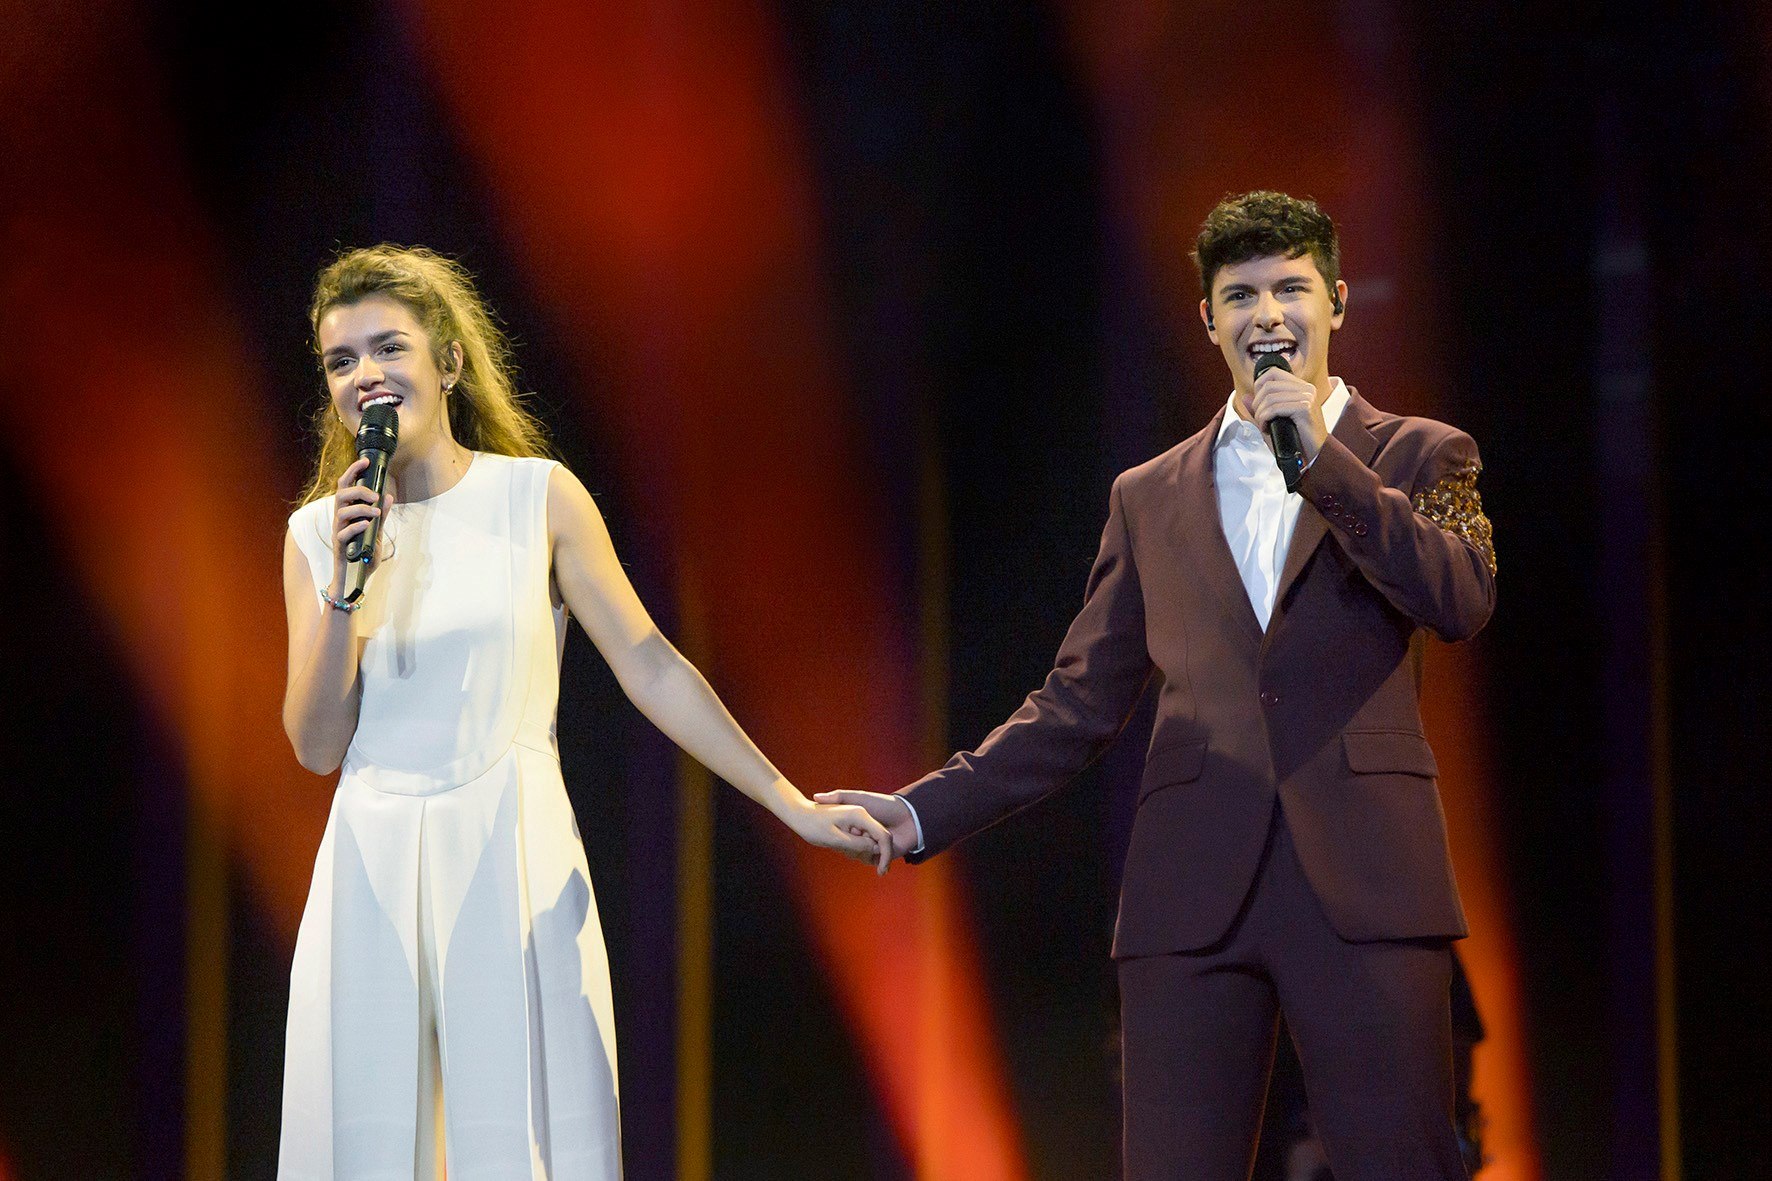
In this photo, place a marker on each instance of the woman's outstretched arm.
(668, 689)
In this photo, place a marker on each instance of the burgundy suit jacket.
(1321, 710)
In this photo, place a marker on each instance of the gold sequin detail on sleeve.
(1453, 505)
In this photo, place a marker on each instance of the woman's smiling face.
(374, 350)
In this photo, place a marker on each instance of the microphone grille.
(1271, 361)
(379, 430)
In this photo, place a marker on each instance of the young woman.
(450, 963)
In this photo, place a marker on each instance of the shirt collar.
(1333, 405)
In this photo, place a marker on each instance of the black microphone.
(377, 436)
(1283, 431)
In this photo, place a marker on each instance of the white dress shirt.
(1257, 512)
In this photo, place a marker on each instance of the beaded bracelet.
(339, 604)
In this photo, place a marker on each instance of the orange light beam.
(651, 172)
(121, 360)
(120, 343)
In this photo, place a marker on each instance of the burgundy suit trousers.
(1371, 1022)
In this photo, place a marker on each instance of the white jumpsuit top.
(450, 962)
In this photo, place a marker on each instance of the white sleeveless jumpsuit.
(451, 941)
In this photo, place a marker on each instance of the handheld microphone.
(377, 436)
(1283, 431)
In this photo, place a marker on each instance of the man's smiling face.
(1273, 304)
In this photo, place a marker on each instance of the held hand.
(1280, 394)
(889, 810)
(849, 830)
(355, 507)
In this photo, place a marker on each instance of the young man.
(1289, 852)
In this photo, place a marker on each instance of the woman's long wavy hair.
(485, 411)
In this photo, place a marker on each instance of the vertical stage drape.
(1644, 1048)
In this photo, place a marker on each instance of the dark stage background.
(849, 312)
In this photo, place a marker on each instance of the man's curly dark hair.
(1263, 223)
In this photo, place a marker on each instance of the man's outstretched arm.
(1101, 670)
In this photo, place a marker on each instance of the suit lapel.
(1353, 431)
(1201, 530)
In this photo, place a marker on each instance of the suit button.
(1359, 528)
(1269, 698)
(1328, 501)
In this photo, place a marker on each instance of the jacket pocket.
(1180, 763)
(1389, 752)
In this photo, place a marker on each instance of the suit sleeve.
(1429, 551)
(1096, 681)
